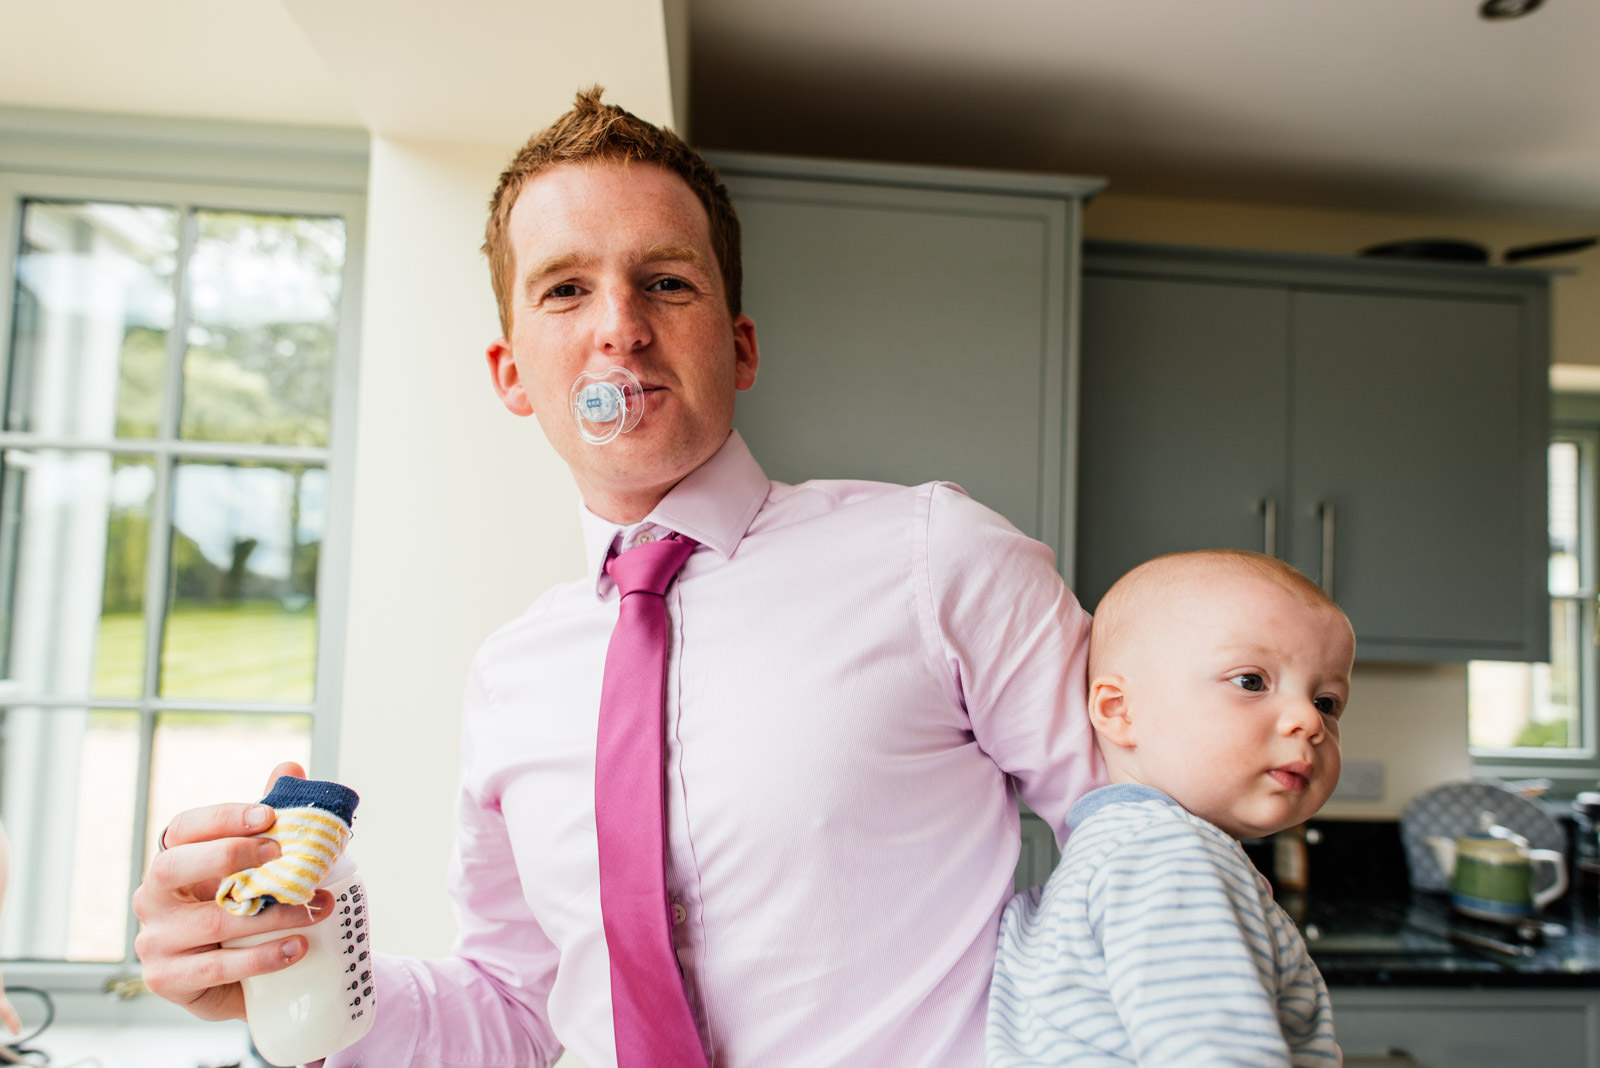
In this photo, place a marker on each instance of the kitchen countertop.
(1419, 941)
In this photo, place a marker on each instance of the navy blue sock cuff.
(289, 792)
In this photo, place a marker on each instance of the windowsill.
(195, 1044)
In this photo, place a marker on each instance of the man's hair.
(593, 132)
(1140, 590)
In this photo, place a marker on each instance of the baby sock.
(312, 828)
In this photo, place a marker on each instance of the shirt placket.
(682, 869)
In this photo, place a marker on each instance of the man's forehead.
(602, 185)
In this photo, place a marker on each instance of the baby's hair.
(1143, 589)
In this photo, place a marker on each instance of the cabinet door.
(1461, 1028)
(908, 335)
(1407, 422)
(1184, 407)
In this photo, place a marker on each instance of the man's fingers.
(217, 821)
(201, 865)
(289, 768)
(8, 1015)
(201, 926)
(200, 980)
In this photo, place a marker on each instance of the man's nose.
(622, 325)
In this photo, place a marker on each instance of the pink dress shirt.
(862, 678)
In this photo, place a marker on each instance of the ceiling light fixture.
(1507, 9)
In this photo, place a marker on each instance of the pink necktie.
(654, 1026)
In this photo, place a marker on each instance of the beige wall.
(1410, 718)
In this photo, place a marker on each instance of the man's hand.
(182, 927)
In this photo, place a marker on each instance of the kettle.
(1492, 872)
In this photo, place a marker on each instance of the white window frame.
(219, 166)
(1574, 418)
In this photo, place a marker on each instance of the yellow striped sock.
(311, 838)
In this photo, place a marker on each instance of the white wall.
(1412, 719)
(463, 515)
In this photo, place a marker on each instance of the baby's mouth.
(1292, 776)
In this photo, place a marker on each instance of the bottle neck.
(341, 870)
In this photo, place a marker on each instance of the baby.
(1216, 683)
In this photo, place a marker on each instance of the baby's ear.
(1109, 712)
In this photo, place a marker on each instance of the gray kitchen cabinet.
(1428, 1028)
(914, 324)
(1380, 425)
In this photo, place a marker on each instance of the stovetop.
(1420, 940)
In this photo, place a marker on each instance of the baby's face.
(1236, 693)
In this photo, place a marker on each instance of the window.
(178, 370)
(1527, 720)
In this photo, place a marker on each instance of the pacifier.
(605, 404)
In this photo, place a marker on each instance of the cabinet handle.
(1326, 511)
(1269, 525)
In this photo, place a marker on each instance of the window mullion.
(137, 859)
(157, 580)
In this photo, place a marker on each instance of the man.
(859, 675)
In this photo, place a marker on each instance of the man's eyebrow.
(675, 253)
(554, 265)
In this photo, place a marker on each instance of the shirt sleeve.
(1190, 959)
(1016, 644)
(485, 1006)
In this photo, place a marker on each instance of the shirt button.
(645, 537)
(679, 914)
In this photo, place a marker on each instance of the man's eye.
(1249, 680)
(669, 285)
(562, 291)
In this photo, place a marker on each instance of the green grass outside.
(250, 651)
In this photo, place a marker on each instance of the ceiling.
(1391, 104)
(1405, 105)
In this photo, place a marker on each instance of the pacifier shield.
(606, 404)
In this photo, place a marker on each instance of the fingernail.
(267, 851)
(261, 816)
(291, 948)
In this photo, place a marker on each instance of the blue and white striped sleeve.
(1190, 957)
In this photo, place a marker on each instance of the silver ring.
(161, 843)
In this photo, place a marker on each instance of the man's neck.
(624, 509)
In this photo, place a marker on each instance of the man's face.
(614, 268)
(1236, 699)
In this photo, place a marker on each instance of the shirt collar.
(714, 504)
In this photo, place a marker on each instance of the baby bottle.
(322, 1002)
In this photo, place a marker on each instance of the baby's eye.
(1249, 680)
(1328, 706)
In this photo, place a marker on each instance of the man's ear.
(1109, 712)
(746, 354)
(507, 379)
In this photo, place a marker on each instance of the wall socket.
(1360, 780)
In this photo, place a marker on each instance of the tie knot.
(650, 566)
